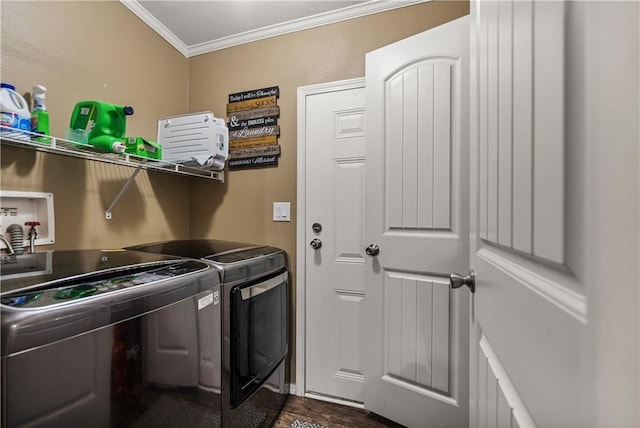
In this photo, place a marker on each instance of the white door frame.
(301, 213)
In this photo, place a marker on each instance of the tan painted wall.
(241, 209)
(95, 50)
(100, 50)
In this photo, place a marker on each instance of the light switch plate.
(282, 211)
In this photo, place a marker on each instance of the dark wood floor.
(328, 415)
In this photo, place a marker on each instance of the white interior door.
(334, 275)
(554, 209)
(416, 334)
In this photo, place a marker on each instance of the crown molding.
(351, 12)
(156, 25)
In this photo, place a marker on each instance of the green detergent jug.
(105, 123)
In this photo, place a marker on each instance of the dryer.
(108, 339)
(254, 324)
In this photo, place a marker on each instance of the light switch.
(282, 211)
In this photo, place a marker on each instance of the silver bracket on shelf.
(122, 191)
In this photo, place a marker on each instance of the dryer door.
(259, 333)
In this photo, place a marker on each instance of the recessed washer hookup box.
(195, 139)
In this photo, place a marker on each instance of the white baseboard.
(291, 387)
(334, 400)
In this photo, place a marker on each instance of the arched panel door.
(416, 342)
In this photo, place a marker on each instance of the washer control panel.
(98, 283)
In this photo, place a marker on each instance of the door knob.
(458, 280)
(372, 250)
(316, 244)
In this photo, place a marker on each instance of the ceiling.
(197, 27)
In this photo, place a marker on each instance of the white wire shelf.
(64, 147)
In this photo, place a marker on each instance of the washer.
(255, 324)
(108, 338)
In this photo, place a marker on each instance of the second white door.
(335, 240)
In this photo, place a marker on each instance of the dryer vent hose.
(16, 238)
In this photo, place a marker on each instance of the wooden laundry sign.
(251, 104)
(273, 91)
(253, 128)
(235, 123)
(269, 140)
(250, 152)
(253, 162)
(247, 132)
(273, 111)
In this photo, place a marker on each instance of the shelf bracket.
(122, 191)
